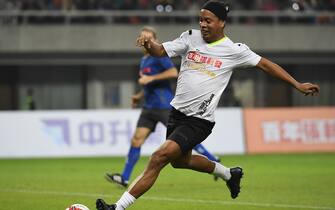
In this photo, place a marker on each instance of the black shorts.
(187, 131)
(150, 117)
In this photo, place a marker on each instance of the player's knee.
(137, 141)
(159, 158)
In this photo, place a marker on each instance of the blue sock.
(202, 150)
(132, 158)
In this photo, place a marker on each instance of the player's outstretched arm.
(153, 47)
(167, 74)
(277, 71)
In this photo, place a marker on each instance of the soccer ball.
(77, 207)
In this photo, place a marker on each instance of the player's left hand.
(308, 89)
(145, 79)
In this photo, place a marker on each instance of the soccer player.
(208, 60)
(155, 73)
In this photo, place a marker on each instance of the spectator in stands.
(128, 5)
(169, 6)
(144, 5)
(331, 5)
(32, 5)
(106, 5)
(86, 4)
(177, 5)
(269, 5)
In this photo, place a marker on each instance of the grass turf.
(289, 181)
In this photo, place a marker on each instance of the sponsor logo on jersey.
(204, 105)
(198, 58)
(146, 70)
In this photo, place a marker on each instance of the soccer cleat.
(233, 183)
(101, 205)
(116, 178)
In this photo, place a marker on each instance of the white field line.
(182, 200)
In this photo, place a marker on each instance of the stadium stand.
(162, 11)
(264, 5)
(38, 48)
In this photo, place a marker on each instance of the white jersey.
(205, 71)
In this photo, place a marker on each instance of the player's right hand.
(145, 79)
(143, 40)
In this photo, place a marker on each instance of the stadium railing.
(152, 17)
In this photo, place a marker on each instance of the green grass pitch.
(271, 182)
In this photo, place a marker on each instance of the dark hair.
(218, 8)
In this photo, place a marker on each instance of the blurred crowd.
(164, 5)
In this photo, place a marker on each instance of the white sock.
(222, 171)
(125, 201)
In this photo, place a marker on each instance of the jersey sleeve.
(166, 63)
(178, 46)
(246, 57)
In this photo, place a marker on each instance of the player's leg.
(145, 125)
(201, 164)
(184, 132)
(133, 155)
(201, 149)
(166, 153)
(188, 132)
(192, 131)
(186, 136)
(137, 141)
(159, 159)
(232, 176)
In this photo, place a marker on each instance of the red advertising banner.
(290, 130)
